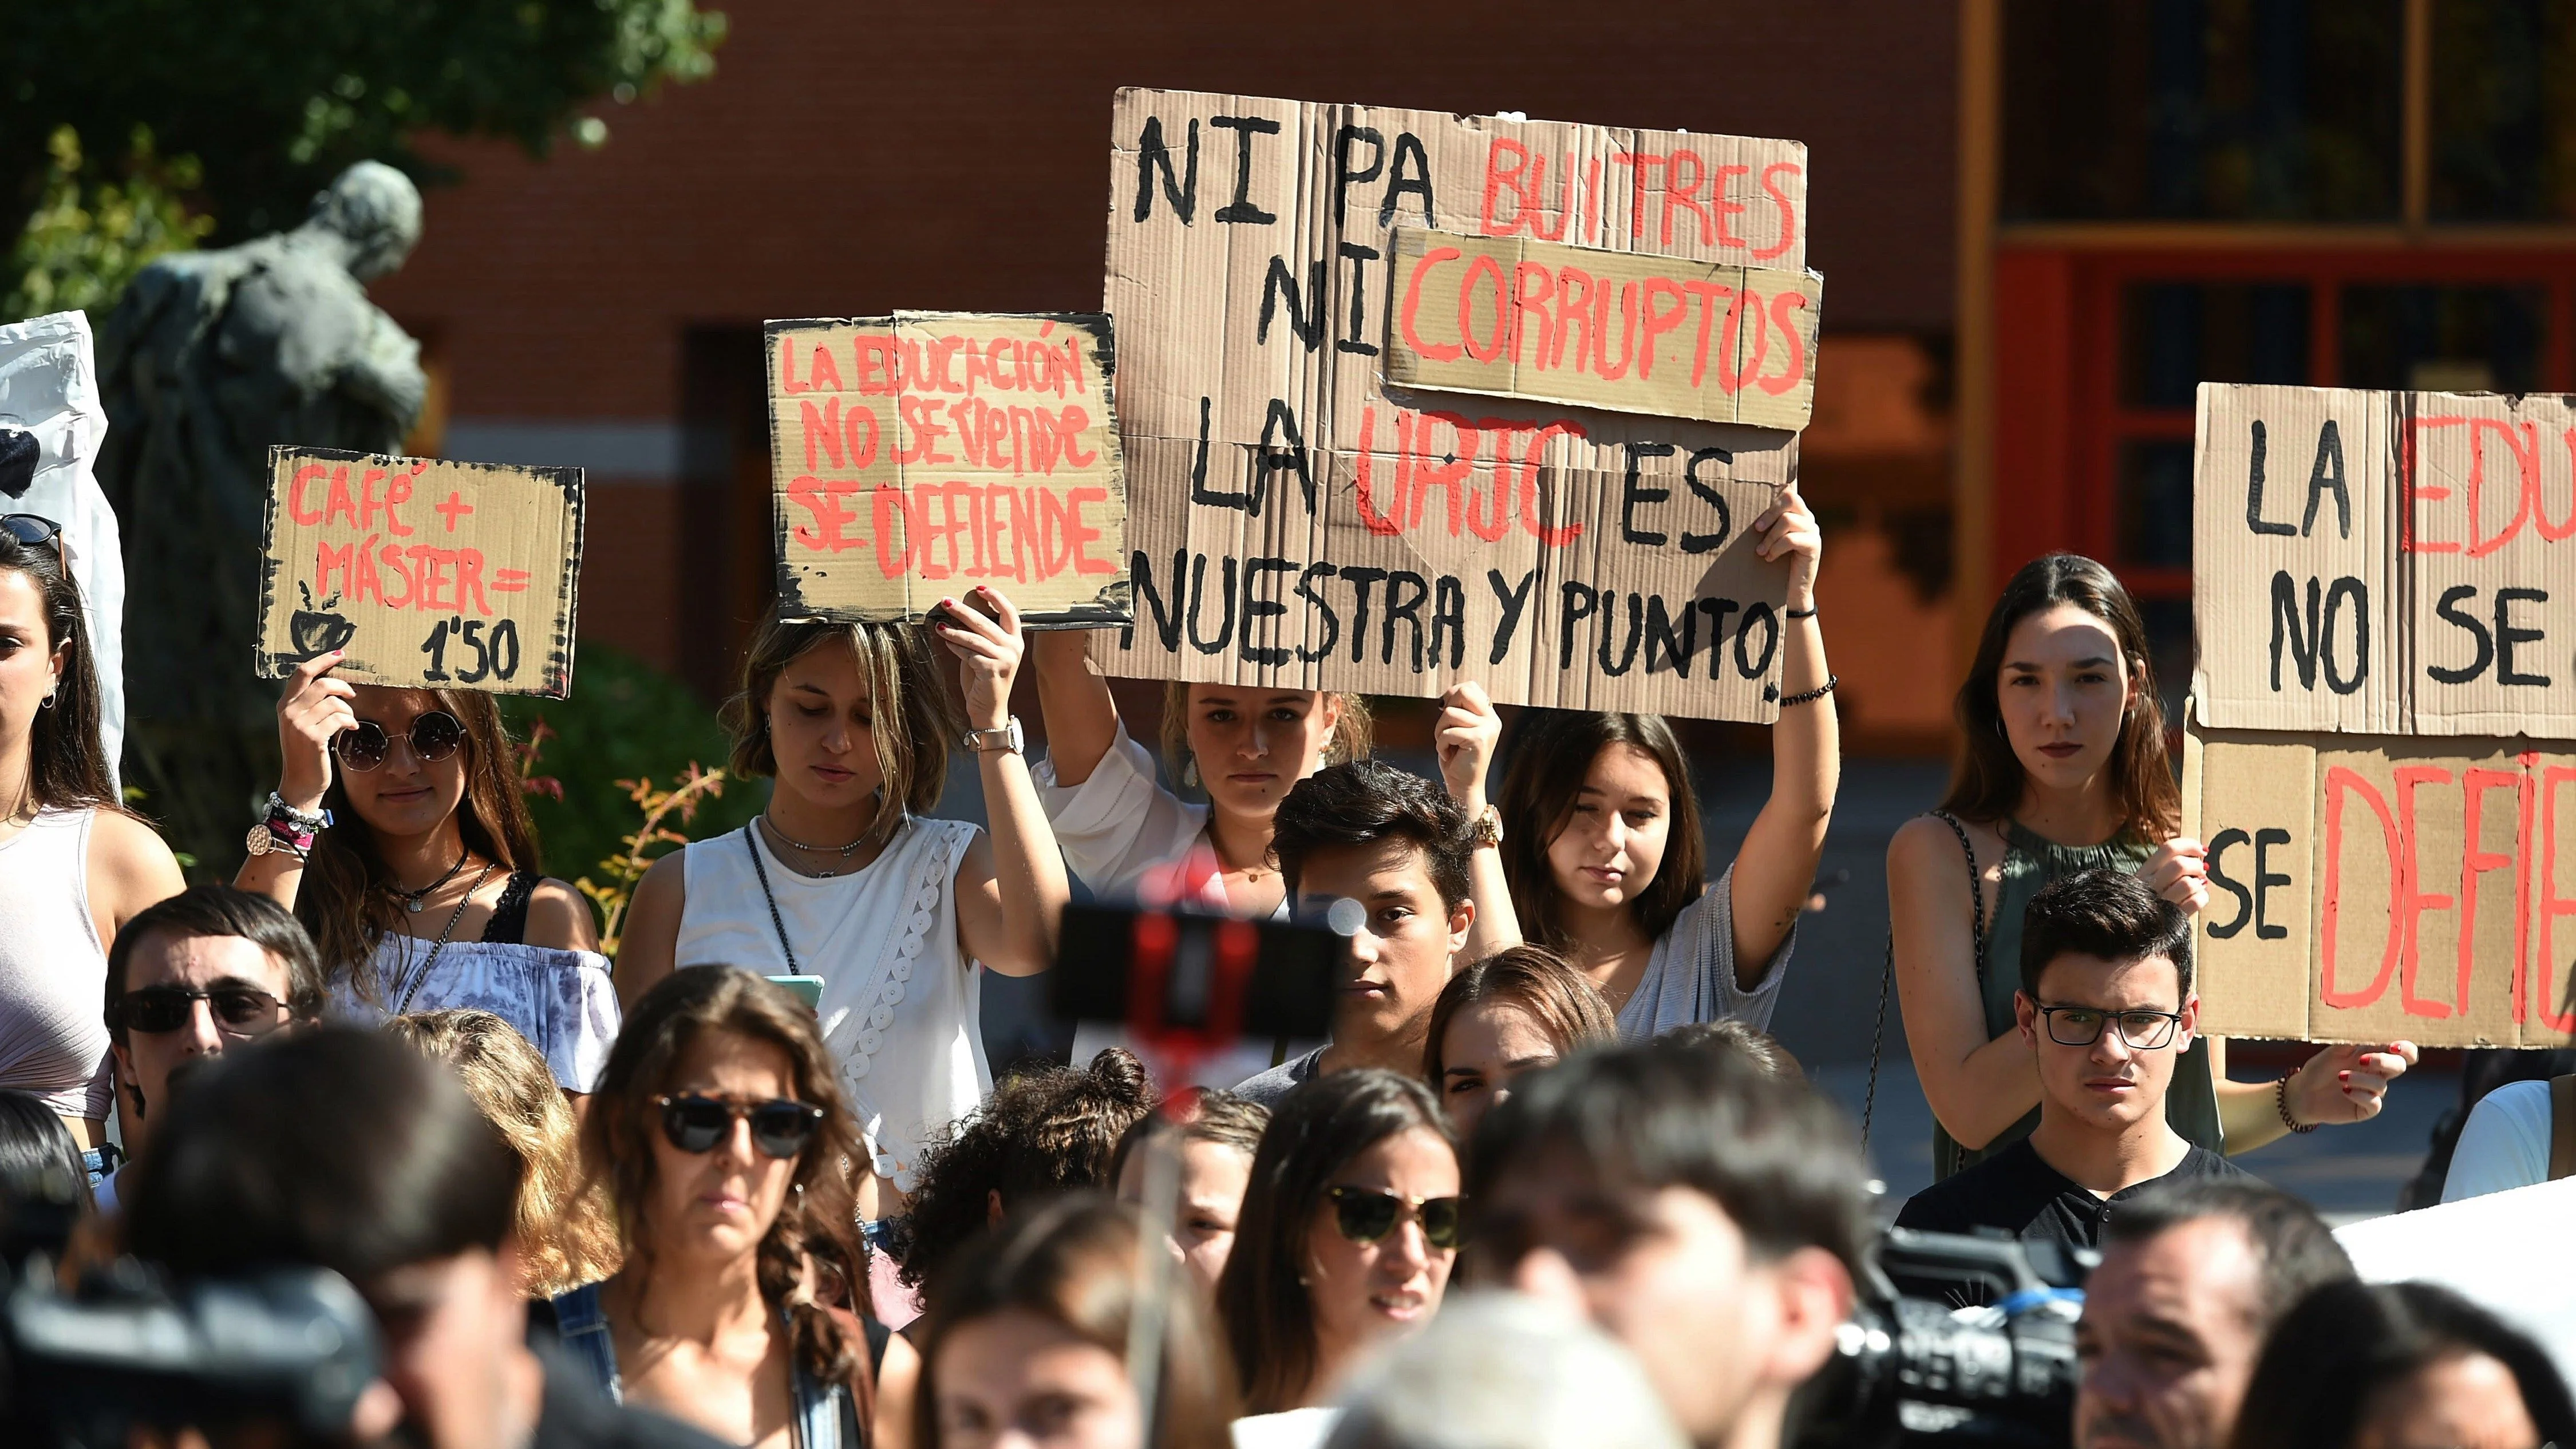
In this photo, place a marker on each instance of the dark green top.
(2191, 1103)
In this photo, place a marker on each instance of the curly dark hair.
(1041, 1133)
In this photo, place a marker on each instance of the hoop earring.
(1999, 730)
(48, 701)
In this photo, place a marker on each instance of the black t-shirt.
(2017, 1191)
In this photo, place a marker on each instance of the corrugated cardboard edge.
(1111, 608)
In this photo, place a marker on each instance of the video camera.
(284, 1353)
(1955, 1340)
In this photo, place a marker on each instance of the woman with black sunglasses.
(729, 1157)
(75, 866)
(1349, 1229)
(399, 836)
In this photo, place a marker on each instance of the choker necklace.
(414, 901)
(783, 838)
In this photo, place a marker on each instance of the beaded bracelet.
(2281, 1100)
(1812, 695)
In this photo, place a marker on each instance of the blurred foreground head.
(347, 1150)
(1026, 1341)
(2399, 1365)
(1501, 1371)
(1707, 1214)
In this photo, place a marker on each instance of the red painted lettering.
(2340, 782)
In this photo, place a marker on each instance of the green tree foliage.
(88, 237)
(272, 98)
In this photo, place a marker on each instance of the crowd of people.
(1547, 1180)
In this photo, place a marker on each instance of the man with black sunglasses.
(198, 975)
(2107, 1008)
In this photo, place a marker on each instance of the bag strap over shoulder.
(2562, 1127)
(1976, 889)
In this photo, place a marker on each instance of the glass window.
(2177, 335)
(2155, 502)
(2504, 111)
(2169, 641)
(2287, 110)
(2449, 339)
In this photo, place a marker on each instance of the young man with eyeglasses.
(2107, 1007)
(191, 978)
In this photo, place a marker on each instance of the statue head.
(375, 210)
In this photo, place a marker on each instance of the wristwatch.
(1008, 737)
(1489, 828)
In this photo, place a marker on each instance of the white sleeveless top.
(901, 1000)
(53, 972)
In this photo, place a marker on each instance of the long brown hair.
(1354, 730)
(564, 1233)
(347, 900)
(1567, 1006)
(66, 759)
(810, 1257)
(913, 721)
(1073, 1263)
(1261, 1298)
(1553, 753)
(1986, 782)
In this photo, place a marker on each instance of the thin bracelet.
(1812, 695)
(2281, 1100)
(1808, 612)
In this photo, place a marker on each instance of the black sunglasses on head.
(35, 531)
(434, 735)
(1368, 1214)
(779, 1127)
(238, 1010)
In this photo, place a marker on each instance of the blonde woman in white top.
(842, 877)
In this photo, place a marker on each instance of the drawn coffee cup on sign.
(315, 630)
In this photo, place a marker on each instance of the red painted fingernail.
(2343, 1076)
(2347, 1091)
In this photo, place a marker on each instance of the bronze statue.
(209, 358)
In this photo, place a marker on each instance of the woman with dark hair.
(399, 836)
(74, 865)
(727, 1153)
(846, 876)
(1216, 1135)
(1349, 1230)
(2396, 1365)
(33, 1141)
(2063, 769)
(1601, 843)
(1043, 1132)
(1513, 1012)
(1029, 1341)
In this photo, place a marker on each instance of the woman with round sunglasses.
(399, 835)
(1349, 1229)
(847, 876)
(75, 866)
(727, 1152)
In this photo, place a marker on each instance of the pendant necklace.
(415, 901)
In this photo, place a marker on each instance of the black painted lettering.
(1167, 621)
(2509, 634)
(1316, 602)
(1627, 659)
(1344, 175)
(1283, 450)
(1258, 608)
(2264, 879)
(2327, 474)
(1576, 602)
(1151, 152)
(1677, 650)
(2302, 644)
(1708, 542)
(1406, 593)
(2448, 608)
(2336, 593)
(2254, 491)
(1631, 494)
(1356, 343)
(1200, 493)
(1769, 618)
(1281, 282)
(2219, 844)
(1245, 128)
(1717, 610)
(1408, 147)
(1449, 620)
(1360, 579)
(1514, 600)
(1198, 598)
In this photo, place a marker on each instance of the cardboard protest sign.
(918, 455)
(2384, 888)
(1303, 522)
(2385, 562)
(1516, 317)
(430, 573)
